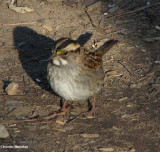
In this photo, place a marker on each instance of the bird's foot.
(90, 114)
(65, 108)
(62, 111)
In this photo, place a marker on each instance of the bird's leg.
(60, 112)
(92, 111)
(65, 107)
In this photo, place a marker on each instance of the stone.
(3, 132)
(12, 89)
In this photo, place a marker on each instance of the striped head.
(64, 46)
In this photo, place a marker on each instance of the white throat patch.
(59, 61)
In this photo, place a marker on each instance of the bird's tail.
(105, 47)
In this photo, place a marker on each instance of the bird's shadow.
(34, 50)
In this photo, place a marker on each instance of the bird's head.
(63, 49)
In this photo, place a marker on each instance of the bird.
(75, 73)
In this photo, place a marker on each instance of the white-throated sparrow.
(76, 74)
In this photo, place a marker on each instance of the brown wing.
(93, 61)
(88, 59)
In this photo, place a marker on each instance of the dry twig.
(90, 19)
(20, 24)
(134, 11)
(36, 120)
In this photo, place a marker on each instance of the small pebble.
(105, 13)
(12, 89)
(3, 132)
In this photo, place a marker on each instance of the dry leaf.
(20, 9)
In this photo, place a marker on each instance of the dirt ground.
(127, 118)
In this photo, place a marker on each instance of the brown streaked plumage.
(76, 74)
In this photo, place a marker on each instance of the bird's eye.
(65, 53)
